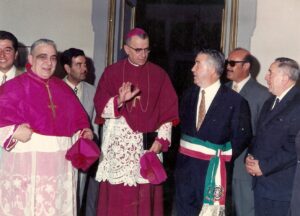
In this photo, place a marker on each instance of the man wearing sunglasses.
(238, 66)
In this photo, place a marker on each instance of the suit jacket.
(88, 93)
(227, 119)
(256, 95)
(274, 146)
(294, 210)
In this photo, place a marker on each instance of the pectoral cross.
(51, 106)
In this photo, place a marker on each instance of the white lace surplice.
(122, 148)
(36, 179)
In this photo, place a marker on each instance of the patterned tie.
(235, 88)
(3, 79)
(201, 113)
(75, 90)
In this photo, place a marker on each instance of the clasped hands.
(252, 166)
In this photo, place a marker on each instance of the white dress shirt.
(79, 88)
(9, 74)
(240, 85)
(210, 93)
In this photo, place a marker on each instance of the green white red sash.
(215, 181)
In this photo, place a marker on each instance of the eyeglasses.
(232, 63)
(140, 50)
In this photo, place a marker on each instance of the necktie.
(75, 90)
(3, 79)
(201, 113)
(235, 87)
(276, 102)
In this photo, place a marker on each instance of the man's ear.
(67, 68)
(126, 49)
(16, 55)
(286, 78)
(247, 65)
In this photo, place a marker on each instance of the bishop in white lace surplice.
(122, 148)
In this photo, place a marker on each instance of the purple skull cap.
(134, 32)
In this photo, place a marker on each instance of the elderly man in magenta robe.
(40, 118)
(135, 97)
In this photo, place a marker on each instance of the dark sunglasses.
(232, 63)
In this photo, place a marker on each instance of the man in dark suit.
(74, 63)
(272, 157)
(238, 67)
(214, 118)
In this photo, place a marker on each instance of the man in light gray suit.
(238, 67)
(74, 63)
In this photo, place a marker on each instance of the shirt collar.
(79, 86)
(284, 93)
(9, 74)
(241, 84)
(135, 65)
(213, 87)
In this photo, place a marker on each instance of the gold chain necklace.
(138, 97)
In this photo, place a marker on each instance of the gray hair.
(289, 66)
(42, 41)
(215, 59)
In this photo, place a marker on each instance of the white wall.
(277, 32)
(67, 22)
(70, 23)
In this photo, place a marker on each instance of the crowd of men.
(237, 135)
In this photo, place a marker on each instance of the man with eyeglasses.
(40, 120)
(74, 63)
(238, 67)
(8, 54)
(272, 157)
(138, 106)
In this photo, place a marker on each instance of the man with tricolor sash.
(215, 127)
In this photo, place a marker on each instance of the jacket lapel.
(281, 107)
(218, 99)
(247, 88)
